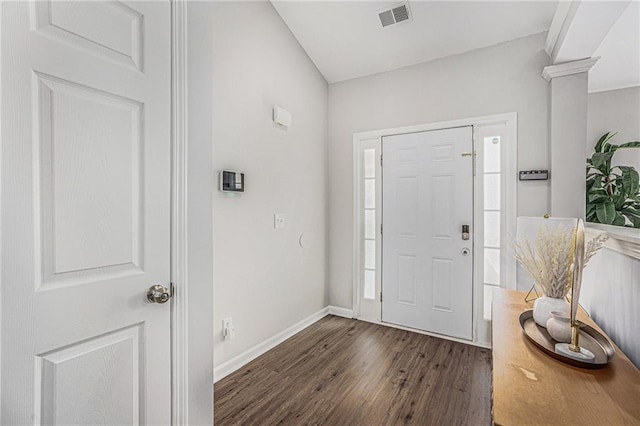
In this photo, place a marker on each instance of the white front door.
(427, 196)
(85, 163)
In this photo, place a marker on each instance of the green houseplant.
(613, 193)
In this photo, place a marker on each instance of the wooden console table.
(531, 388)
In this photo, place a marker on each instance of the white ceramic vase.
(559, 327)
(544, 305)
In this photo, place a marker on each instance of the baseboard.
(249, 355)
(486, 345)
(340, 312)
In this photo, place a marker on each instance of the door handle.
(158, 294)
(465, 232)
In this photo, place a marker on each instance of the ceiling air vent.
(394, 15)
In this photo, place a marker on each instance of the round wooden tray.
(590, 338)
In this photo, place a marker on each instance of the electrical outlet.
(228, 330)
(278, 220)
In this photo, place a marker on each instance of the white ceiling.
(619, 64)
(345, 39)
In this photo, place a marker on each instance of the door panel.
(85, 212)
(83, 133)
(407, 280)
(111, 30)
(113, 394)
(427, 197)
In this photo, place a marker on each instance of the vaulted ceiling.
(619, 64)
(346, 40)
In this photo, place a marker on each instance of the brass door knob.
(158, 294)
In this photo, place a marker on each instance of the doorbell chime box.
(281, 117)
(231, 181)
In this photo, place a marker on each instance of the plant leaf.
(594, 184)
(600, 158)
(618, 200)
(633, 217)
(630, 180)
(634, 144)
(603, 139)
(619, 220)
(596, 196)
(606, 212)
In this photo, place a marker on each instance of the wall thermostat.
(231, 181)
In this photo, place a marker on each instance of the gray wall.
(498, 79)
(617, 111)
(262, 277)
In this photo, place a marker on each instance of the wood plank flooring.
(346, 372)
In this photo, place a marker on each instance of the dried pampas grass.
(550, 262)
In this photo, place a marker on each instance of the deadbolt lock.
(465, 232)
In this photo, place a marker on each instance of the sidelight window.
(492, 218)
(369, 220)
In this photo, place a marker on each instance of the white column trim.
(568, 68)
(179, 302)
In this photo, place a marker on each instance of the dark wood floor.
(347, 372)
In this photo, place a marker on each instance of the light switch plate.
(278, 220)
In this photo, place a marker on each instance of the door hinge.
(380, 160)
(381, 296)
(380, 229)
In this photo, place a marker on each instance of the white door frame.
(180, 300)
(192, 189)
(481, 327)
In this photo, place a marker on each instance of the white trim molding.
(237, 362)
(568, 68)
(557, 26)
(621, 239)
(179, 301)
(1, 210)
(340, 312)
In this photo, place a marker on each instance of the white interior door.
(427, 196)
(85, 212)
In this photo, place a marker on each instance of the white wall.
(617, 111)
(611, 294)
(262, 277)
(498, 79)
(199, 210)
